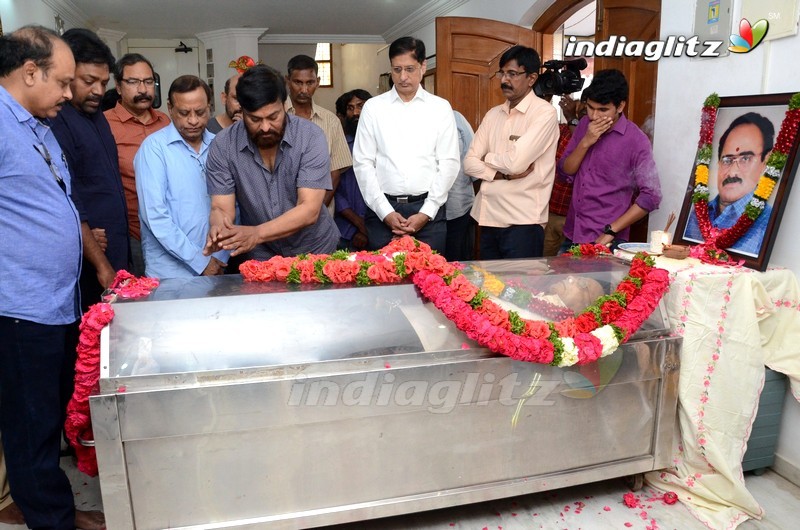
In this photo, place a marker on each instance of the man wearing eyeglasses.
(131, 121)
(171, 184)
(40, 261)
(742, 158)
(406, 154)
(84, 135)
(513, 154)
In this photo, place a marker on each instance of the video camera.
(560, 77)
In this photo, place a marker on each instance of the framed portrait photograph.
(749, 168)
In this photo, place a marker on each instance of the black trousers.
(516, 241)
(37, 365)
(434, 233)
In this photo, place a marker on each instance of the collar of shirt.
(731, 213)
(421, 94)
(522, 106)
(173, 135)
(37, 126)
(124, 115)
(290, 108)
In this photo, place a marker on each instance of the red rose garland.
(717, 239)
(596, 332)
(78, 425)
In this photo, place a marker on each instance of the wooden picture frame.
(755, 246)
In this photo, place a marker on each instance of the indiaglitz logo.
(749, 36)
(673, 46)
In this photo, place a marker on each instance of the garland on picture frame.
(715, 240)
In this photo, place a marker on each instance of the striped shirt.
(332, 127)
(234, 166)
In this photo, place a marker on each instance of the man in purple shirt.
(610, 161)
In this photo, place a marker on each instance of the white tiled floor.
(595, 506)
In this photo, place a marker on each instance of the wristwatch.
(574, 122)
(610, 231)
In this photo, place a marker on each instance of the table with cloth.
(734, 321)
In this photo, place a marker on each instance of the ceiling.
(153, 19)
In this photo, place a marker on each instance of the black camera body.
(560, 77)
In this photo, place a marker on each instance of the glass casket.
(224, 403)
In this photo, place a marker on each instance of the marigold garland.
(596, 332)
(715, 239)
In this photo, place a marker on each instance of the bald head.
(36, 68)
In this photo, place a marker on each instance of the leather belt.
(405, 199)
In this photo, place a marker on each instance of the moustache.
(505, 86)
(142, 97)
(731, 180)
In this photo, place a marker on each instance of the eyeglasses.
(42, 150)
(744, 161)
(511, 74)
(397, 70)
(134, 82)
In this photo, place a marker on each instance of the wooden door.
(468, 54)
(636, 20)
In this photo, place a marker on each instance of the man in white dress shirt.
(406, 154)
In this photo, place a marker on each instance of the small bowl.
(676, 251)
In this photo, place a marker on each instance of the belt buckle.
(402, 199)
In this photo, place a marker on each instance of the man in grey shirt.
(276, 167)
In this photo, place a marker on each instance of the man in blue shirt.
(348, 201)
(171, 185)
(40, 261)
(85, 137)
(276, 167)
(743, 151)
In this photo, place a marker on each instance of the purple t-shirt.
(614, 170)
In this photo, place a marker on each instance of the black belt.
(405, 199)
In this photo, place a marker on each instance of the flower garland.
(595, 333)
(78, 425)
(714, 238)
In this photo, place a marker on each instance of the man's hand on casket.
(238, 239)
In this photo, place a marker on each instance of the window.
(323, 58)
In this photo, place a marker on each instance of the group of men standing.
(86, 193)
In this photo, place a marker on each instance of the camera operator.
(573, 110)
(513, 154)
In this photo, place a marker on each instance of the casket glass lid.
(222, 323)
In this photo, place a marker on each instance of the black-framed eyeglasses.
(42, 150)
(134, 82)
(511, 74)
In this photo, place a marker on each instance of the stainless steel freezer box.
(230, 404)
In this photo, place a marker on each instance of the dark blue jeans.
(434, 233)
(36, 378)
(516, 241)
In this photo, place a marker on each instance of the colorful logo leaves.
(749, 36)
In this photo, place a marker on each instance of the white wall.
(18, 13)
(362, 64)
(278, 55)
(683, 84)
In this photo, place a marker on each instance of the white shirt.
(406, 149)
